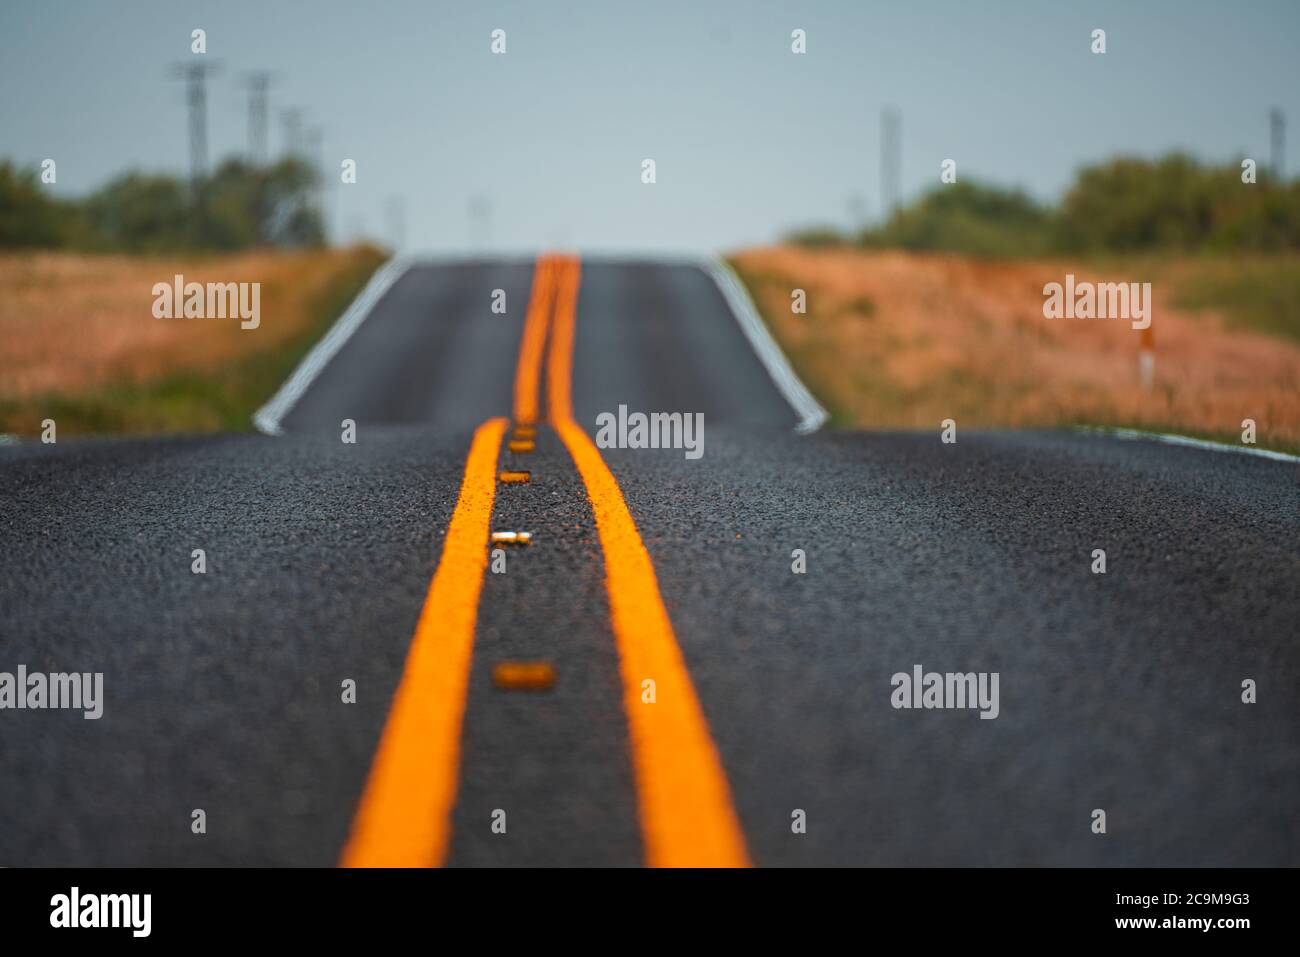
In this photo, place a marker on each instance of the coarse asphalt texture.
(1119, 691)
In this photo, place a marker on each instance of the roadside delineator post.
(1147, 359)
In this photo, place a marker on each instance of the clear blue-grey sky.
(749, 139)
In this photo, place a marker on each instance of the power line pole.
(312, 155)
(291, 120)
(258, 83)
(856, 205)
(195, 76)
(1277, 138)
(891, 161)
(480, 221)
(312, 138)
(395, 212)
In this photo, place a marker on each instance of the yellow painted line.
(519, 446)
(531, 346)
(515, 476)
(404, 819)
(559, 361)
(684, 801)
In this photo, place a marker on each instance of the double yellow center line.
(684, 802)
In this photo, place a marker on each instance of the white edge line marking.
(1187, 440)
(269, 417)
(808, 410)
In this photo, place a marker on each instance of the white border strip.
(809, 412)
(269, 418)
(1187, 440)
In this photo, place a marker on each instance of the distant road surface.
(775, 741)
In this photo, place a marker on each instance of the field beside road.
(894, 339)
(83, 347)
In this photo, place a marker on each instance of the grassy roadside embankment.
(84, 348)
(904, 340)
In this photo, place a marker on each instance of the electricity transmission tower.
(291, 120)
(257, 82)
(891, 161)
(479, 210)
(1277, 140)
(312, 155)
(195, 75)
(395, 213)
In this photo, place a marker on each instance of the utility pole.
(480, 221)
(257, 82)
(396, 215)
(312, 156)
(356, 228)
(312, 141)
(891, 161)
(1277, 139)
(291, 120)
(196, 94)
(856, 205)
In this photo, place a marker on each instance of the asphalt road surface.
(222, 691)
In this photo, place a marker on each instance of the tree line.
(1174, 203)
(238, 206)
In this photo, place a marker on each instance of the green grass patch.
(1261, 295)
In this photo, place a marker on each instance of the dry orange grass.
(895, 339)
(72, 322)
